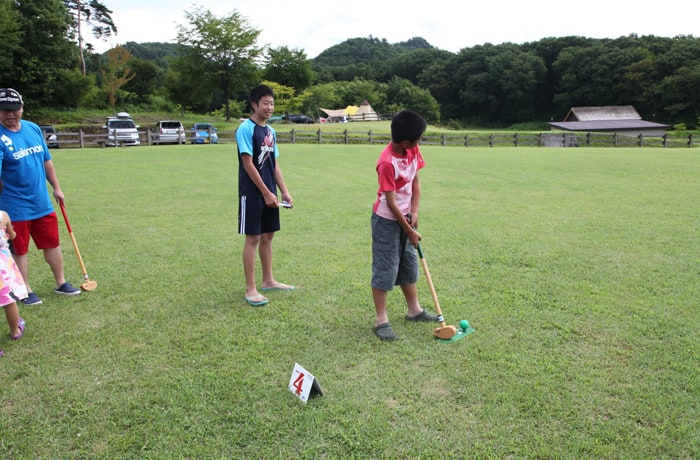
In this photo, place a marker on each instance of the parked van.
(121, 130)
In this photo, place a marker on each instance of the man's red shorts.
(44, 232)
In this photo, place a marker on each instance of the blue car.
(204, 133)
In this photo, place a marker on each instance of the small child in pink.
(12, 286)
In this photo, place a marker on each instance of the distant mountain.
(367, 50)
(157, 52)
(361, 58)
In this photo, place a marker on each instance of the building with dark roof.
(622, 120)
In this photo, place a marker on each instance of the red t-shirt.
(396, 173)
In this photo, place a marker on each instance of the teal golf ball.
(464, 324)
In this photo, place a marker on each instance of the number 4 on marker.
(303, 384)
(299, 383)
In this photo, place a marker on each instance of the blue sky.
(315, 25)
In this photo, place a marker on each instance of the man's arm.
(52, 178)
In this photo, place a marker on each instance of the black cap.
(10, 99)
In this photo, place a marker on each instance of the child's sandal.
(21, 326)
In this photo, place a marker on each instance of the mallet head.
(89, 286)
(445, 332)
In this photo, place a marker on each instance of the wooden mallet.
(88, 285)
(444, 331)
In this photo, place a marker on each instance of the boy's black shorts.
(255, 218)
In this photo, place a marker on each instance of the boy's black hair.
(259, 92)
(407, 125)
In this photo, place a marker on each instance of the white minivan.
(121, 130)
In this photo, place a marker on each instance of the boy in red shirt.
(395, 220)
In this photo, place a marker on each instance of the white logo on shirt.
(7, 141)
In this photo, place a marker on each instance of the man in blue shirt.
(25, 167)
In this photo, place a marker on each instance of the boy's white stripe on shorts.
(242, 229)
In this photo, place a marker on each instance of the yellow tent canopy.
(364, 112)
(341, 114)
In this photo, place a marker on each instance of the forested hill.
(159, 53)
(367, 50)
(509, 83)
(356, 50)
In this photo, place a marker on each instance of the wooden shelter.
(623, 120)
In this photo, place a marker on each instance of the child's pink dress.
(12, 287)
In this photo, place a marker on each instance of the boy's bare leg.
(379, 298)
(266, 259)
(268, 280)
(249, 254)
(411, 294)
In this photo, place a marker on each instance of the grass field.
(579, 269)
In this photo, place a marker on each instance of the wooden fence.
(318, 136)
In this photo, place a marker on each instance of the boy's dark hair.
(407, 125)
(259, 92)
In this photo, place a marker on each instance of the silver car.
(50, 135)
(169, 132)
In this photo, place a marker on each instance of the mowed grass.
(579, 269)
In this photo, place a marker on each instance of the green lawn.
(579, 269)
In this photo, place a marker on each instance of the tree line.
(217, 58)
(511, 83)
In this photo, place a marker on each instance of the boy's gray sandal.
(385, 332)
(423, 316)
